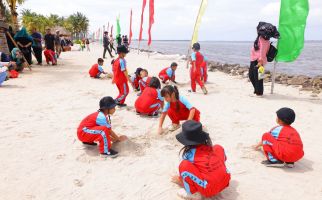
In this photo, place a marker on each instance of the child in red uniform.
(168, 74)
(177, 108)
(195, 72)
(282, 145)
(97, 69)
(203, 172)
(145, 80)
(120, 76)
(97, 127)
(50, 56)
(204, 69)
(135, 78)
(150, 101)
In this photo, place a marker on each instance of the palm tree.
(79, 24)
(13, 10)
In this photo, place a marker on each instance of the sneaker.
(174, 127)
(289, 164)
(112, 154)
(184, 195)
(138, 94)
(204, 90)
(156, 114)
(191, 91)
(273, 164)
(90, 143)
(122, 105)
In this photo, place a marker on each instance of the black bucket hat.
(107, 103)
(196, 46)
(192, 133)
(286, 115)
(122, 49)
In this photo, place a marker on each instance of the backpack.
(272, 52)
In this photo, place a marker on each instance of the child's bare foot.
(176, 179)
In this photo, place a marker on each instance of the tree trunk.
(2, 10)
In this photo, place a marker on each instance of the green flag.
(292, 22)
(118, 26)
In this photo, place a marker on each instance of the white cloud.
(223, 20)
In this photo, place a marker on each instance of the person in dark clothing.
(119, 40)
(36, 45)
(10, 43)
(24, 42)
(126, 41)
(49, 40)
(106, 45)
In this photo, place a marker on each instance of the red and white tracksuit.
(203, 170)
(50, 56)
(182, 112)
(95, 71)
(144, 83)
(204, 71)
(167, 74)
(195, 71)
(283, 143)
(149, 102)
(135, 79)
(119, 78)
(95, 127)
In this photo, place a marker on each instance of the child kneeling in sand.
(177, 107)
(145, 80)
(150, 101)
(202, 172)
(97, 127)
(135, 79)
(97, 69)
(168, 74)
(282, 145)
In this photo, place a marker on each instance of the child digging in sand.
(97, 69)
(177, 107)
(202, 172)
(150, 101)
(97, 127)
(168, 74)
(282, 145)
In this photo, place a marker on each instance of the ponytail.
(176, 92)
(256, 47)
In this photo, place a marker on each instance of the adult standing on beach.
(58, 43)
(106, 45)
(258, 58)
(36, 45)
(24, 42)
(112, 43)
(49, 40)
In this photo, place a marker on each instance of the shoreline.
(306, 83)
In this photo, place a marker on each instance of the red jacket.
(144, 83)
(198, 59)
(148, 101)
(94, 70)
(119, 67)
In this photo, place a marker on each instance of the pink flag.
(142, 14)
(151, 20)
(131, 34)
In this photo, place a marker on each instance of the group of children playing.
(202, 171)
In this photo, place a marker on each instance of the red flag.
(130, 39)
(151, 20)
(141, 27)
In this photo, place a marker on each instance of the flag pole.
(189, 48)
(273, 77)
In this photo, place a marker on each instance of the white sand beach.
(41, 157)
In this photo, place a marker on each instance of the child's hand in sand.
(160, 130)
(176, 180)
(257, 147)
(123, 138)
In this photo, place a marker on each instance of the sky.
(224, 20)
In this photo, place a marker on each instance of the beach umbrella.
(292, 23)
